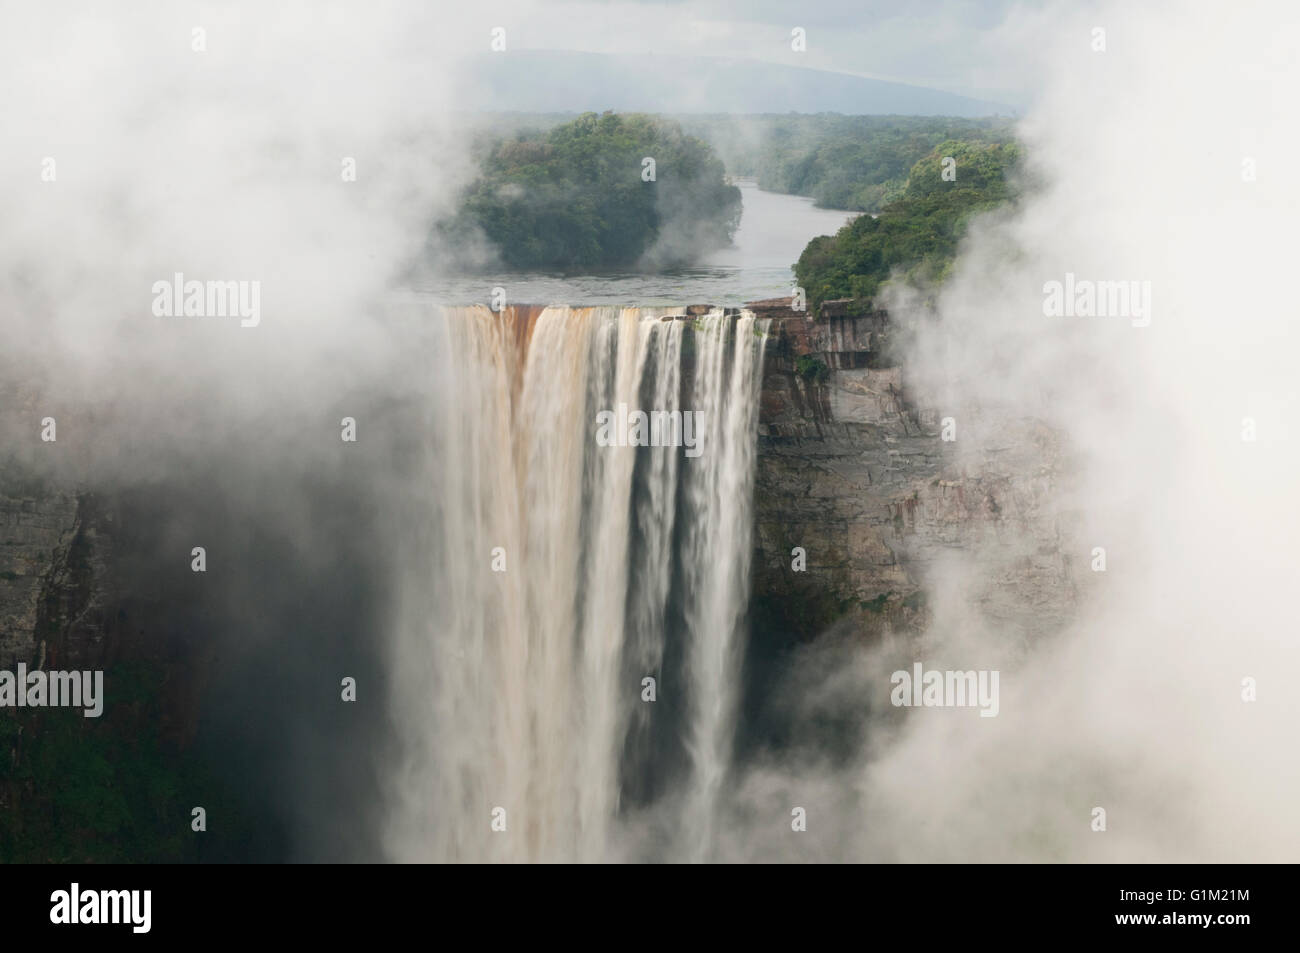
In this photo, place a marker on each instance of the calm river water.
(773, 232)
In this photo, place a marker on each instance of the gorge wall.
(853, 468)
(111, 788)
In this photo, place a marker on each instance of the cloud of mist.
(226, 164)
(223, 164)
(1136, 707)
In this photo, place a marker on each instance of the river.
(773, 231)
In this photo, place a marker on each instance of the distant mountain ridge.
(566, 81)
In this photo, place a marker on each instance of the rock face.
(56, 560)
(36, 533)
(853, 469)
(58, 598)
(894, 523)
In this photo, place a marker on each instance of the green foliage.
(980, 167)
(104, 790)
(812, 369)
(877, 604)
(573, 197)
(918, 233)
(858, 163)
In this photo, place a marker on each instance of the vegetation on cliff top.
(917, 234)
(575, 197)
(858, 163)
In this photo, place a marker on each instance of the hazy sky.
(961, 46)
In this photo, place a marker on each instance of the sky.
(955, 45)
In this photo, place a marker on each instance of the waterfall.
(717, 556)
(556, 569)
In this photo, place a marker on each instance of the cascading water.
(568, 571)
(717, 553)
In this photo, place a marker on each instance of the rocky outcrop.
(36, 532)
(59, 604)
(853, 469)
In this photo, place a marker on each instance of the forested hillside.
(918, 232)
(582, 195)
(859, 163)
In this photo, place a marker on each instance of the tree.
(575, 197)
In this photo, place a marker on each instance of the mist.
(1178, 461)
(305, 149)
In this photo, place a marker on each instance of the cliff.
(36, 532)
(853, 469)
(73, 788)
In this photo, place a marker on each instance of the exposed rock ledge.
(852, 468)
